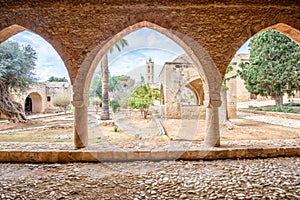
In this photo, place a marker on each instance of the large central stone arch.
(206, 67)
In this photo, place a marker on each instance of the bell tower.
(150, 71)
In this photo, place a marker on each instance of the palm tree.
(104, 69)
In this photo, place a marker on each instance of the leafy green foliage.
(61, 102)
(284, 109)
(274, 67)
(227, 77)
(57, 79)
(142, 98)
(113, 82)
(292, 104)
(255, 108)
(273, 109)
(17, 64)
(114, 103)
(119, 45)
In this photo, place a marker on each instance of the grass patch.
(292, 104)
(59, 140)
(285, 109)
(255, 108)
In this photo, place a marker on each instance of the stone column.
(212, 137)
(80, 127)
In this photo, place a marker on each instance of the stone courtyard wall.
(175, 77)
(45, 90)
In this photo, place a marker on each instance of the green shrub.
(62, 102)
(116, 128)
(284, 110)
(255, 108)
(114, 103)
(292, 104)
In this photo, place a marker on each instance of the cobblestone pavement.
(277, 178)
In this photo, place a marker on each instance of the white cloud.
(134, 59)
(143, 44)
(49, 62)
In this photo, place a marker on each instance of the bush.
(62, 102)
(292, 104)
(255, 108)
(114, 103)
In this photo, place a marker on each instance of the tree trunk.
(279, 101)
(105, 106)
(145, 111)
(11, 109)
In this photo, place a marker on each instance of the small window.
(48, 98)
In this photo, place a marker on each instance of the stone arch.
(193, 83)
(198, 90)
(14, 29)
(34, 103)
(283, 28)
(206, 67)
(8, 32)
(289, 31)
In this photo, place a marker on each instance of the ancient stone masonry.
(181, 81)
(41, 96)
(82, 31)
(221, 28)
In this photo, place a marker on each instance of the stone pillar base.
(212, 137)
(80, 128)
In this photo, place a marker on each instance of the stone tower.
(150, 71)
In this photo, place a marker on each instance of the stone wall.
(176, 77)
(220, 27)
(43, 94)
(193, 112)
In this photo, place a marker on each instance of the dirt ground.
(243, 129)
(137, 129)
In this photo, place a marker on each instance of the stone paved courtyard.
(276, 178)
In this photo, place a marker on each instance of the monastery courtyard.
(174, 178)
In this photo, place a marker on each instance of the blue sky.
(143, 44)
(49, 62)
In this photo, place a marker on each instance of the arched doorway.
(28, 105)
(33, 103)
(205, 67)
